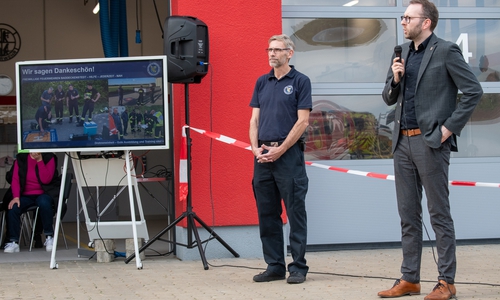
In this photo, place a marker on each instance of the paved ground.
(353, 274)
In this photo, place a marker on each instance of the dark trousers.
(285, 179)
(73, 107)
(46, 212)
(59, 110)
(158, 131)
(125, 126)
(120, 130)
(88, 106)
(416, 165)
(133, 125)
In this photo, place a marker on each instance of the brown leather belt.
(411, 132)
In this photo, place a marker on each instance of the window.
(342, 2)
(349, 127)
(342, 50)
(479, 40)
(462, 3)
(346, 53)
(479, 138)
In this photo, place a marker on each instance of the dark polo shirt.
(278, 101)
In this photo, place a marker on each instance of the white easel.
(95, 173)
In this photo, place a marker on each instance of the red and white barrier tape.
(183, 180)
(231, 141)
(353, 172)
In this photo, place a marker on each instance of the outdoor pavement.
(345, 274)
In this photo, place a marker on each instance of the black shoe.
(38, 241)
(296, 277)
(267, 276)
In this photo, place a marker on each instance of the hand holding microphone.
(398, 64)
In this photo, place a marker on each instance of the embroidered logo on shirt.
(288, 89)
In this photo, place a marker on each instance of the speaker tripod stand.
(189, 214)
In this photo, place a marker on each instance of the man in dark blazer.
(424, 85)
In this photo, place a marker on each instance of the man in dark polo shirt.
(72, 103)
(42, 117)
(90, 95)
(47, 96)
(281, 103)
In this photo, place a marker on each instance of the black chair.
(2, 227)
(6, 196)
(31, 223)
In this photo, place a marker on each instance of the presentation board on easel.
(110, 85)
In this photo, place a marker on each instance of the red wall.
(221, 174)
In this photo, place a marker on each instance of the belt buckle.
(410, 132)
(274, 144)
(413, 132)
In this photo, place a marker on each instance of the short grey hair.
(285, 39)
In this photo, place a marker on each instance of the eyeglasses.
(408, 19)
(276, 50)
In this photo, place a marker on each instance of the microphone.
(397, 51)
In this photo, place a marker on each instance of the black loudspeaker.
(186, 48)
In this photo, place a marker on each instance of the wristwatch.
(6, 85)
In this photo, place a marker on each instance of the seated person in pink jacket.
(32, 173)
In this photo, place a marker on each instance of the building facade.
(346, 51)
(345, 47)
